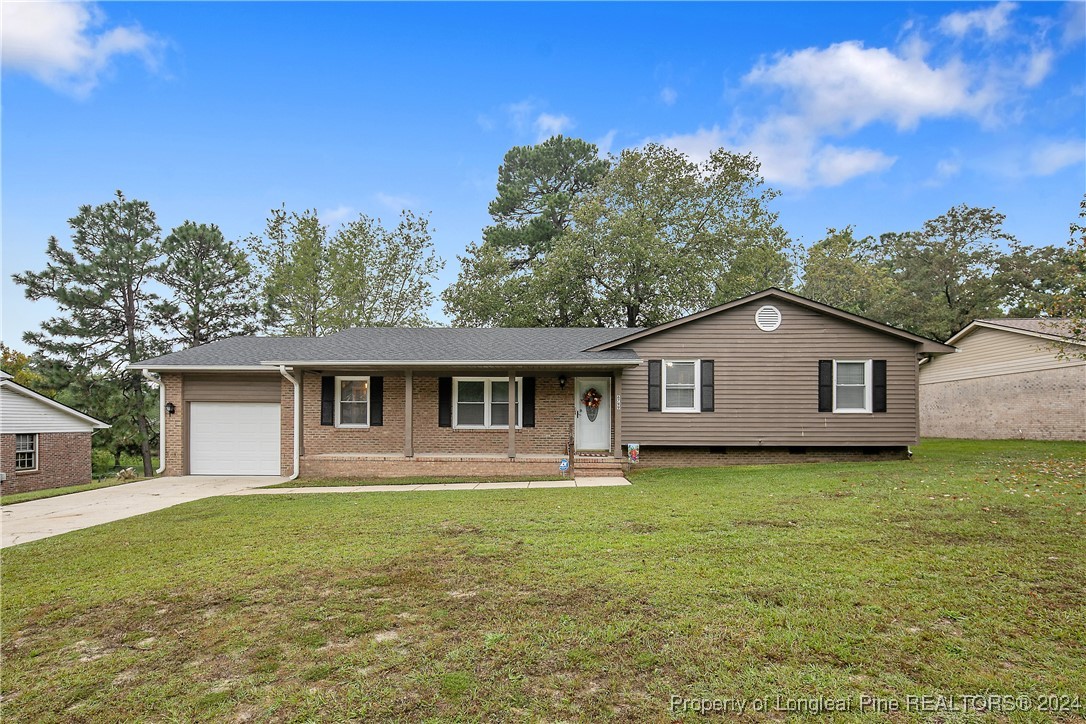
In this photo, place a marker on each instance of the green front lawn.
(960, 572)
(13, 498)
(410, 480)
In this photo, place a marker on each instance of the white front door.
(593, 428)
(234, 438)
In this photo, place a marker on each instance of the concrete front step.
(593, 465)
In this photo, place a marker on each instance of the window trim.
(34, 439)
(487, 382)
(369, 401)
(868, 388)
(697, 386)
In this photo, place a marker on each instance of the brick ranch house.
(43, 444)
(1006, 382)
(771, 377)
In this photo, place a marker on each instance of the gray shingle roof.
(390, 345)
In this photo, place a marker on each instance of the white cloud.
(669, 95)
(789, 154)
(992, 21)
(605, 143)
(485, 122)
(1054, 156)
(395, 202)
(945, 169)
(1037, 67)
(336, 215)
(847, 86)
(526, 117)
(833, 165)
(547, 125)
(520, 113)
(66, 45)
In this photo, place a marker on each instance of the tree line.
(575, 240)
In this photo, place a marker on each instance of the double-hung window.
(681, 385)
(852, 386)
(483, 402)
(26, 452)
(352, 402)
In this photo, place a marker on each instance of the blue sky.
(879, 115)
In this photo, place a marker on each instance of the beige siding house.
(1005, 382)
(772, 377)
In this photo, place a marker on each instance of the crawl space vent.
(767, 318)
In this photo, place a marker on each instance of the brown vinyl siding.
(233, 387)
(766, 383)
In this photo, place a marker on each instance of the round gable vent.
(767, 318)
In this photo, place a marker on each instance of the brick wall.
(666, 457)
(395, 467)
(553, 417)
(173, 426)
(1041, 405)
(64, 458)
(286, 426)
(320, 439)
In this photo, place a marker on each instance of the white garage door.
(234, 438)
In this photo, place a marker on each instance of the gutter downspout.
(297, 422)
(161, 420)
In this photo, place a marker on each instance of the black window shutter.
(878, 389)
(377, 401)
(527, 412)
(655, 370)
(328, 400)
(444, 401)
(825, 385)
(707, 385)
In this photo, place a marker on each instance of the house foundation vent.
(767, 318)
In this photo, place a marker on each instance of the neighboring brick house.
(43, 444)
(771, 377)
(1005, 382)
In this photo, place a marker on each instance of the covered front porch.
(382, 421)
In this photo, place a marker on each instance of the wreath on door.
(591, 400)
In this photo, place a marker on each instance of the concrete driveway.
(24, 522)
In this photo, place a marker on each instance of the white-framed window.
(483, 402)
(26, 452)
(681, 381)
(352, 402)
(852, 385)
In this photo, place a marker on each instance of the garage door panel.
(233, 438)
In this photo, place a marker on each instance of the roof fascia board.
(27, 392)
(198, 368)
(927, 345)
(451, 363)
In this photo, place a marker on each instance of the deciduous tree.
(662, 236)
(847, 273)
(363, 275)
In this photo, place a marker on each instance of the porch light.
(170, 408)
(562, 381)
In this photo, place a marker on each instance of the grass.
(960, 572)
(14, 498)
(101, 482)
(103, 463)
(410, 480)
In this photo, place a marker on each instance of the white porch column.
(512, 414)
(408, 391)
